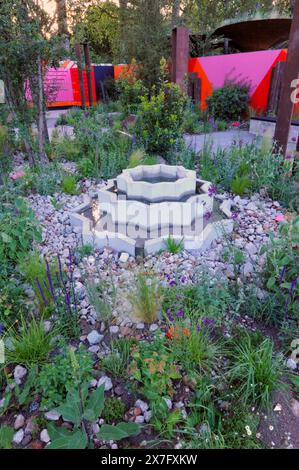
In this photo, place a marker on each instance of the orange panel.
(259, 99)
(206, 87)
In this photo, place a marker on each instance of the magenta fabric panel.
(249, 66)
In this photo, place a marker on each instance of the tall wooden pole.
(286, 106)
(80, 72)
(180, 56)
(88, 72)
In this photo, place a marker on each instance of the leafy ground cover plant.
(80, 409)
(281, 270)
(205, 298)
(56, 379)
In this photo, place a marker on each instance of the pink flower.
(15, 175)
(235, 124)
(280, 218)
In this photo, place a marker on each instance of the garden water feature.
(145, 206)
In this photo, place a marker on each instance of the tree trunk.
(13, 103)
(41, 114)
(61, 13)
(175, 16)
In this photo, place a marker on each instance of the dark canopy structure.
(256, 34)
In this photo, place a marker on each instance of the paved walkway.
(218, 140)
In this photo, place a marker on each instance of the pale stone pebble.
(94, 337)
(139, 419)
(52, 415)
(106, 381)
(114, 329)
(19, 422)
(19, 374)
(18, 437)
(44, 436)
(142, 405)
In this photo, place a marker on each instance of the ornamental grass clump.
(146, 299)
(256, 371)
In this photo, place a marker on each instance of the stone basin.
(155, 183)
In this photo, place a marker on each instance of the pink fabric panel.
(58, 85)
(251, 66)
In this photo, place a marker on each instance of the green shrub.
(65, 147)
(5, 157)
(229, 102)
(130, 90)
(160, 119)
(18, 230)
(69, 185)
(12, 298)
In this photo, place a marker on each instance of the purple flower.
(2, 327)
(198, 328)
(208, 322)
(212, 190)
(184, 280)
(234, 215)
(41, 291)
(169, 315)
(282, 274)
(180, 313)
(172, 283)
(208, 215)
(293, 284)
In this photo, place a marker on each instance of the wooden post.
(286, 106)
(180, 56)
(88, 71)
(81, 80)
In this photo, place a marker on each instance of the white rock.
(168, 403)
(114, 329)
(291, 364)
(47, 326)
(19, 422)
(139, 419)
(19, 373)
(142, 405)
(106, 381)
(124, 257)
(52, 415)
(140, 326)
(44, 436)
(93, 349)
(95, 428)
(94, 337)
(18, 437)
(154, 327)
(147, 416)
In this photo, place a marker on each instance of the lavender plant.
(58, 293)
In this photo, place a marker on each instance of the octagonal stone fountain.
(148, 204)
